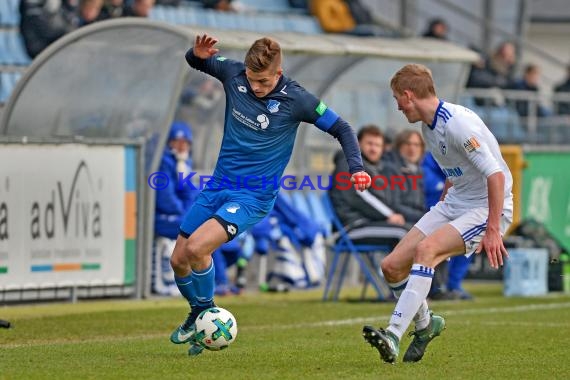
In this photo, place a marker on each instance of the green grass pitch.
(286, 336)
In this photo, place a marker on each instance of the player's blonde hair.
(263, 54)
(415, 78)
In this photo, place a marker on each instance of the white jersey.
(468, 153)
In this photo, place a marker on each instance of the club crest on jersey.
(442, 148)
(242, 89)
(471, 145)
(232, 208)
(273, 106)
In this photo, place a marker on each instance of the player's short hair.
(371, 130)
(263, 54)
(415, 78)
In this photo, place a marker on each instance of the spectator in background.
(368, 216)
(139, 8)
(437, 28)
(529, 82)
(43, 22)
(345, 16)
(112, 9)
(496, 71)
(405, 158)
(89, 11)
(564, 106)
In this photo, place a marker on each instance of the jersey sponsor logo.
(263, 121)
(220, 58)
(242, 89)
(442, 148)
(283, 90)
(232, 208)
(273, 106)
(321, 108)
(471, 145)
(258, 124)
(452, 172)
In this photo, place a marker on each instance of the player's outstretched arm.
(204, 46)
(492, 241)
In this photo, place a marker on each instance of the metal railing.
(516, 116)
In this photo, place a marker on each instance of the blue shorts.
(235, 211)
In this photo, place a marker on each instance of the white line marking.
(332, 323)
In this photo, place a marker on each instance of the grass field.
(286, 336)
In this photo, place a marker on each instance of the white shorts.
(470, 223)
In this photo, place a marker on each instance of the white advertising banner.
(62, 215)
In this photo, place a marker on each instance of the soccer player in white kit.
(474, 211)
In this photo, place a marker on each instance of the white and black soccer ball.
(216, 329)
(263, 120)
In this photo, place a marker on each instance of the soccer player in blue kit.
(263, 110)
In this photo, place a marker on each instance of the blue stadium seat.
(505, 124)
(303, 24)
(9, 14)
(268, 6)
(300, 203)
(8, 81)
(318, 212)
(12, 51)
(259, 22)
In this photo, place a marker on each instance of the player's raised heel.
(417, 348)
(385, 342)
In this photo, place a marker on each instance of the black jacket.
(355, 207)
(409, 201)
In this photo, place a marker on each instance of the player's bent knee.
(178, 262)
(391, 269)
(426, 251)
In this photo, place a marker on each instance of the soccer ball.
(216, 329)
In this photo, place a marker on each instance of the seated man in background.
(368, 216)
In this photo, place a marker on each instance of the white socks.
(422, 317)
(412, 301)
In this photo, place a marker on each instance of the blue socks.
(204, 285)
(186, 288)
(198, 287)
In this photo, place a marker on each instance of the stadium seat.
(342, 245)
(303, 24)
(259, 22)
(8, 81)
(281, 6)
(12, 51)
(9, 14)
(300, 203)
(318, 212)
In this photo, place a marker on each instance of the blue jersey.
(259, 133)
